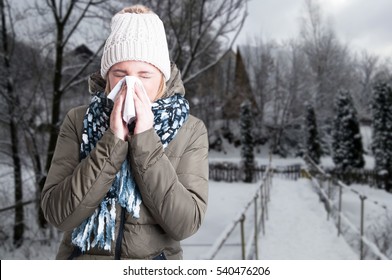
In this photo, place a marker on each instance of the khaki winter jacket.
(173, 184)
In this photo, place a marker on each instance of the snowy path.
(297, 227)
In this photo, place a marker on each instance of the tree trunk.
(19, 214)
(13, 125)
(32, 148)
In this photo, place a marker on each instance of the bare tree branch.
(52, 5)
(78, 21)
(71, 81)
(229, 48)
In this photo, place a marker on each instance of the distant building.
(82, 51)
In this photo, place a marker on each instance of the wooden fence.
(232, 172)
(357, 176)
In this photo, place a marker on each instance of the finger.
(119, 101)
(137, 101)
(140, 92)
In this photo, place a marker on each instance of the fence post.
(362, 197)
(256, 230)
(266, 196)
(328, 177)
(269, 183)
(262, 207)
(243, 237)
(340, 209)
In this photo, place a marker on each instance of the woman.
(129, 191)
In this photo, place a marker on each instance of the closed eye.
(119, 73)
(145, 77)
(145, 74)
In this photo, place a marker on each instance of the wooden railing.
(320, 178)
(249, 248)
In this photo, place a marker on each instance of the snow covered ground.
(297, 227)
(226, 200)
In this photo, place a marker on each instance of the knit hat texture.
(138, 37)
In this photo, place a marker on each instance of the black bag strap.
(75, 253)
(117, 251)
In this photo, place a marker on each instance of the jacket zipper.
(117, 251)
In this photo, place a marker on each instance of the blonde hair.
(161, 89)
(136, 9)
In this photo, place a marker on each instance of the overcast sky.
(362, 24)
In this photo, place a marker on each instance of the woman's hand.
(117, 124)
(144, 115)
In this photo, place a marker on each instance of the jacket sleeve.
(74, 188)
(176, 198)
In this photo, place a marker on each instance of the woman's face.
(148, 74)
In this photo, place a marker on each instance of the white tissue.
(129, 114)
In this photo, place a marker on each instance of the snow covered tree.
(382, 133)
(347, 148)
(312, 141)
(247, 155)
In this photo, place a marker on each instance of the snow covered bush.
(247, 145)
(382, 134)
(312, 141)
(347, 148)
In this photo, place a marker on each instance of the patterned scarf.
(169, 115)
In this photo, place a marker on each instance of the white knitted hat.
(138, 37)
